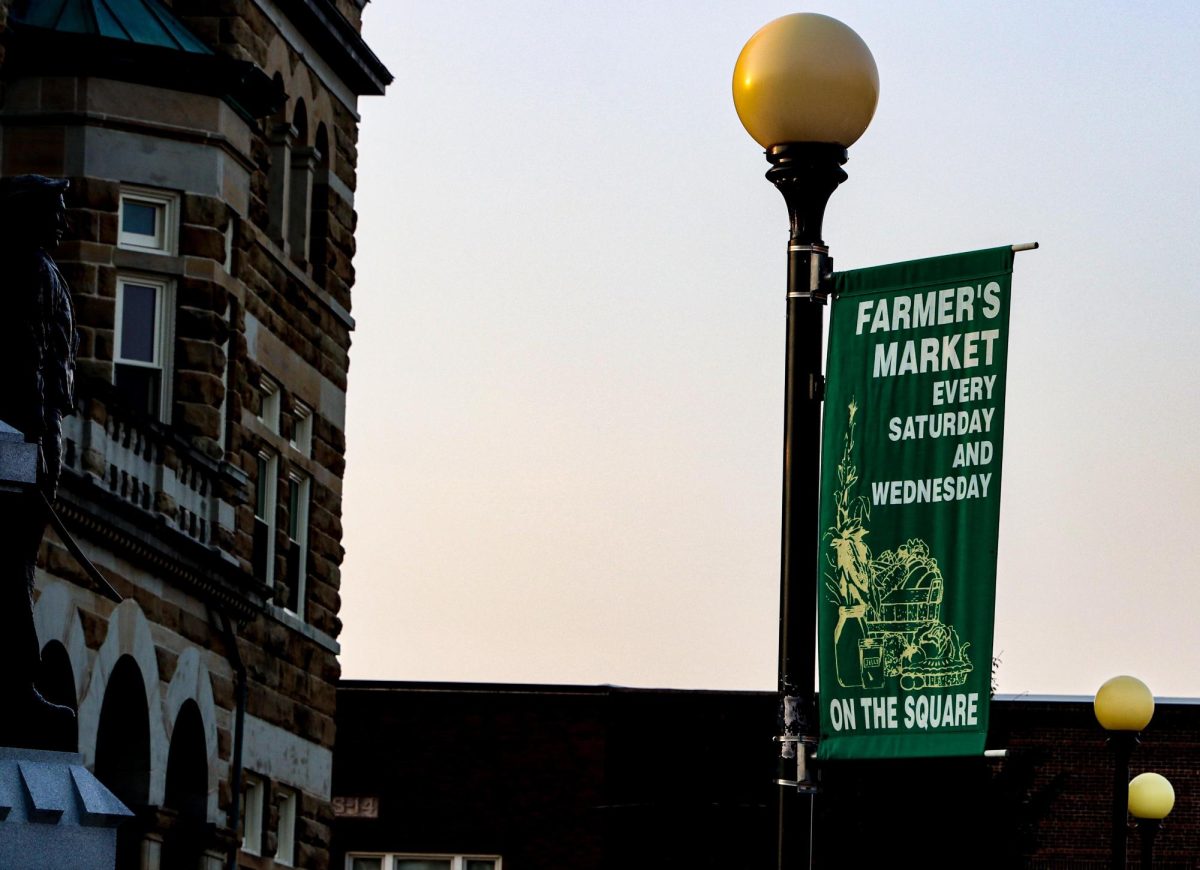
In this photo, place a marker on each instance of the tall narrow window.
(268, 414)
(264, 518)
(143, 329)
(252, 815)
(318, 244)
(300, 182)
(281, 136)
(285, 836)
(302, 427)
(297, 555)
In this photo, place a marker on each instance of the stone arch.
(187, 789)
(56, 618)
(320, 113)
(123, 738)
(56, 683)
(300, 93)
(128, 636)
(318, 247)
(300, 121)
(122, 748)
(278, 63)
(191, 684)
(298, 84)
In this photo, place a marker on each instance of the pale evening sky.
(565, 411)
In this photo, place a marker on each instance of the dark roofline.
(36, 51)
(527, 688)
(1027, 698)
(340, 44)
(608, 689)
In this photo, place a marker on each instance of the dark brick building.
(525, 777)
(211, 148)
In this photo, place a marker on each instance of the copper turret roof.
(143, 22)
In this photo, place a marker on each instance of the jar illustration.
(847, 635)
(870, 656)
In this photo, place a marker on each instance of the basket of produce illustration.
(889, 607)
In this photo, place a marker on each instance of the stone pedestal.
(54, 813)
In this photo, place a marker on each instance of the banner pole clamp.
(797, 746)
(811, 272)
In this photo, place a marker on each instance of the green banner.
(910, 505)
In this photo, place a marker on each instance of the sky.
(566, 389)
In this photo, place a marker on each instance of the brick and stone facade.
(212, 169)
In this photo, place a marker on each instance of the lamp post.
(1124, 706)
(1151, 798)
(805, 88)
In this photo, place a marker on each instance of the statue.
(38, 342)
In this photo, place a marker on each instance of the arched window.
(123, 751)
(281, 137)
(318, 246)
(56, 682)
(301, 182)
(187, 790)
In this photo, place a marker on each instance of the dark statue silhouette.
(38, 341)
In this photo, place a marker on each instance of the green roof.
(143, 22)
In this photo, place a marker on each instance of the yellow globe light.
(805, 78)
(1124, 704)
(1151, 796)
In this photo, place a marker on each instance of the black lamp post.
(805, 87)
(1151, 799)
(1124, 706)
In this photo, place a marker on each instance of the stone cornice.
(91, 512)
(339, 43)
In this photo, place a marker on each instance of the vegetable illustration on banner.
(889, 608)
(910, 491)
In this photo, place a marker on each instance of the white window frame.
(285, 833)
(302, 428)
(301, 484)
(252, 814)
(166, 237)
(269, 505)
(268, 414)
(164, 334)
(390, 860)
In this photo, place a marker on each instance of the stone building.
(211, 148)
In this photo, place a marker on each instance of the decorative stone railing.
(147, 466)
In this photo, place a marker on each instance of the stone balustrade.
(147, 466)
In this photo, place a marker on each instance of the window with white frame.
(268, 414)
(252, 814)
(142, 343)
(302, 428)
(285, 835)
(377, 861)
(299, 494)
(146, 221)
(264, 518)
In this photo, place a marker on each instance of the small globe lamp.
(805, 88)
(1124, 706)
(1151, 799)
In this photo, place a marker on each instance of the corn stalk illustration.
(889, 607)
(850, 584)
